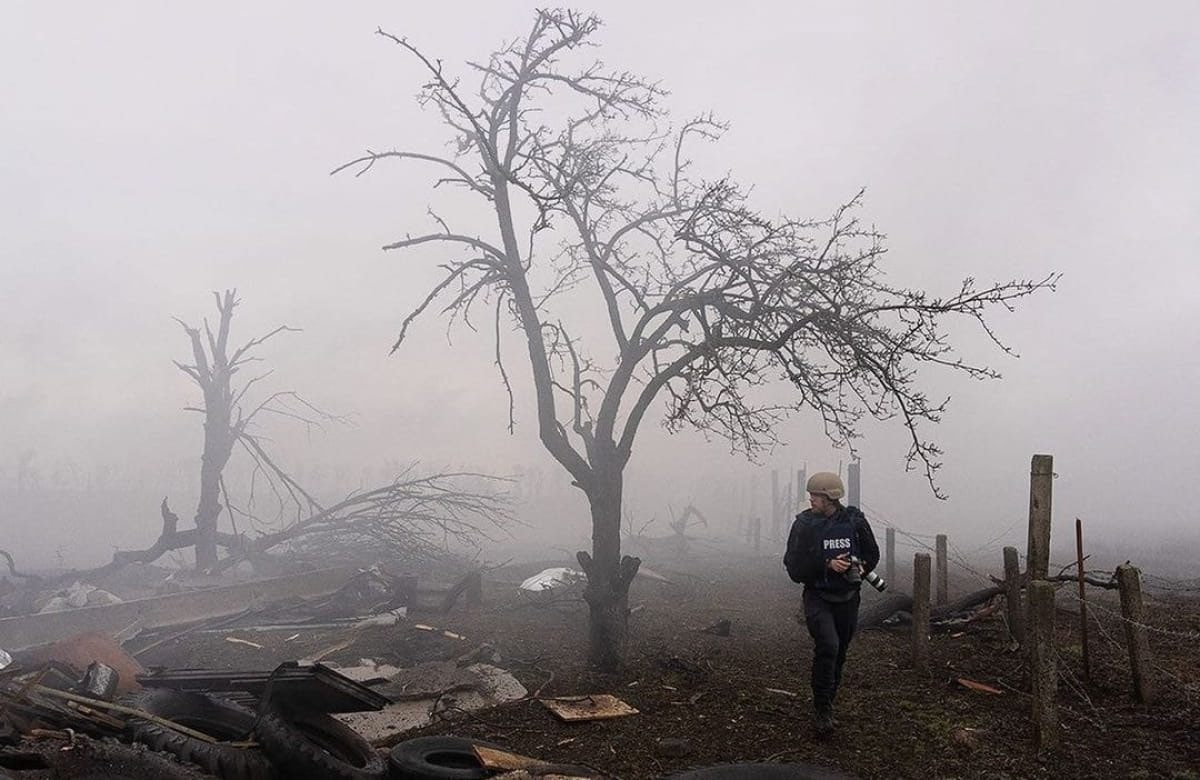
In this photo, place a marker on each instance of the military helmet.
(828, 484)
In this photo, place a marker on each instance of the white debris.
(77, 596)
(550, 579)
(389, 618)
(485, 687)
(5, 659)
(368, 669)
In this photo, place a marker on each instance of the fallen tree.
(412, 518)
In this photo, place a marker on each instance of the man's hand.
(840, 564)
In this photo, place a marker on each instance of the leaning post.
(1083, 624)
(1012, 593)
(1130, 585)
(920, 612)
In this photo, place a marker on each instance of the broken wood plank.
(582, 708)
(978, 686)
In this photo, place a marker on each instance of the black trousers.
(831, 625)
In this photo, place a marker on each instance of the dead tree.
(213, 369)
(412, 517)
(704, 298)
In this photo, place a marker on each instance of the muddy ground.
(706, 699)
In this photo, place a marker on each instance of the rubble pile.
(90, 695)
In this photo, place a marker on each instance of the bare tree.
(704, 299)
(213, 369)
(412, 517)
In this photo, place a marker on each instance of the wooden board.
(598, 707)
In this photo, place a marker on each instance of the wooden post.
(757, 534)
(1043, 673)
(1130, 585)
(920, 612)
(775, 504)
(943, 575)
(1041, 482)
(854, 484)
(1012, 590)
(889, 549)
(1083, 626)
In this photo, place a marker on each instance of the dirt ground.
(704, 699)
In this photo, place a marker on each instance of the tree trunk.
(218, 446)
(608, 576)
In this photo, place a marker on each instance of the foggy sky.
(151, 154)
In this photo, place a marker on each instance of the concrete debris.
(77, 596)
(5, 659)
(433, 690)
(368, 672)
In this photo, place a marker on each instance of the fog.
(151, 154)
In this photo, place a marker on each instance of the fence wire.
(957, 557)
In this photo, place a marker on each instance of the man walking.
(821, 546)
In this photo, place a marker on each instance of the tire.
(314, 745)
(437, 758)
(222, 720)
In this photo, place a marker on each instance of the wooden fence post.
(890, 554)
(1041, 482)
(775, 513)
(943, 574)
(1012, 590)
(1043, 672)
(920, 612)
(1083, 626)
(854, 486)
(1037, 554)
(1129, 583)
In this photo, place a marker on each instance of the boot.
(823, 720)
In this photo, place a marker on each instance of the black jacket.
(805, 558)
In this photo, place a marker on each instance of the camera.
(871, 577)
